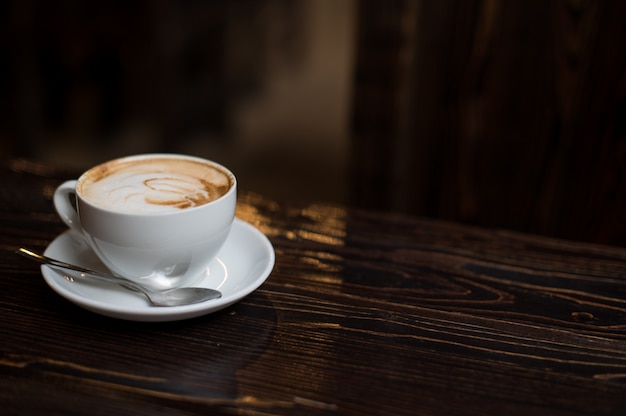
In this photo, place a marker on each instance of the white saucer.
(241, 266)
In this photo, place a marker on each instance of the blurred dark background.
(261, 86)
(505, 114)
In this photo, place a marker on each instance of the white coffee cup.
(157, 219)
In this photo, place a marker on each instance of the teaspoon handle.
(57, 263)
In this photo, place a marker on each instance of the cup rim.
(230, 174)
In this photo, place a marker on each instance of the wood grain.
(364, 313)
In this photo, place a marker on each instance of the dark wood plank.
(364, 313)
(501, 114)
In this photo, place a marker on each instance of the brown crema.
(181, 194)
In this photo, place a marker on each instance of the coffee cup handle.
(64, 206)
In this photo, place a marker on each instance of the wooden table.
(364, 313)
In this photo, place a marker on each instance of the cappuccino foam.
(153, 185)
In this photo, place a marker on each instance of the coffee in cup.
(153, 185)
(158, 219)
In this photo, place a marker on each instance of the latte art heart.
(154, 185)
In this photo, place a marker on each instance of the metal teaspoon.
(172, 297)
